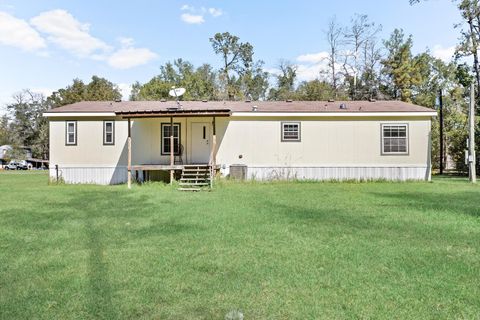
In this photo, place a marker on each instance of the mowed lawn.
(272, 251)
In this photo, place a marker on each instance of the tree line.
(358, 65)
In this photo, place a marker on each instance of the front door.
(200, 142)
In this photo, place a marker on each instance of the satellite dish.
(176, 92)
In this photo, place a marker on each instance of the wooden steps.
(196, 178)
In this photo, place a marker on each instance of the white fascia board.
(334, 114)
(77, 114)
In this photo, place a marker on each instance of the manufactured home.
(105, 142)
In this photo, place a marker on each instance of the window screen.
(108, 132)
(290, 131)
(395, 139)
(71, 133)
(166, 138)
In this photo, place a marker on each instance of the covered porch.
(172, 141)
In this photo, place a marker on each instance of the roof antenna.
(177, 92)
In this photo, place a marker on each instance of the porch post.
(171, 151)
(214, 152)
(214, 144)
(129, 163)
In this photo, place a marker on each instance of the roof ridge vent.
(163, 100)
(118, 100)
(204, 100)
(248, 100)
(372, 100)
(289, 100)
(331, 100)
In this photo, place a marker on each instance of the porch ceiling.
(174, 113)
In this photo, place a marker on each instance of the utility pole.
(471, 136)
(440, 100)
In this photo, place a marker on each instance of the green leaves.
(240, 76)
(200, 83)
(28, 127)
(97, 89)
(401, 67)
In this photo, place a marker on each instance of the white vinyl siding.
(330, 148)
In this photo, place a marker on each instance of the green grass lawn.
(274, 251)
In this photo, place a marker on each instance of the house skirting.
(340, 173)
(118, 174)
(89, 175)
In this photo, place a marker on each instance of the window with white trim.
(394, 139)
(108, 132)
(290, 131)
(166, 138)
(71, 133)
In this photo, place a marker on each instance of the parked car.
(17, 165)
(12, 165)
(22, 165)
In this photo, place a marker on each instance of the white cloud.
(126, 42)
(192, 18)
(309, 66)
(313, 57)
(68, 33)
(125, 90)
(215, 12)
(187, 7)
(7, 96)
(126, 58)
(45, 91)
(18, 33)
(273, 71)
(311, 72)
(6, 6)
(197, 16)
(312, 65)
(445, 54)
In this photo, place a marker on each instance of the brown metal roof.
(161, 107)
(175, 112)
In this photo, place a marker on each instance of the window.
(166, 138)
(290, 131)
(394, 139)
(71, 133)
(108, 132)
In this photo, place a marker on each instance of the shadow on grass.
(167, 228)
(325, 216)
(100, 291)
(466, 203)
(373, 224)
(104, 227)
(91, 207)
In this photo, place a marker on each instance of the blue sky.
(45, 44)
